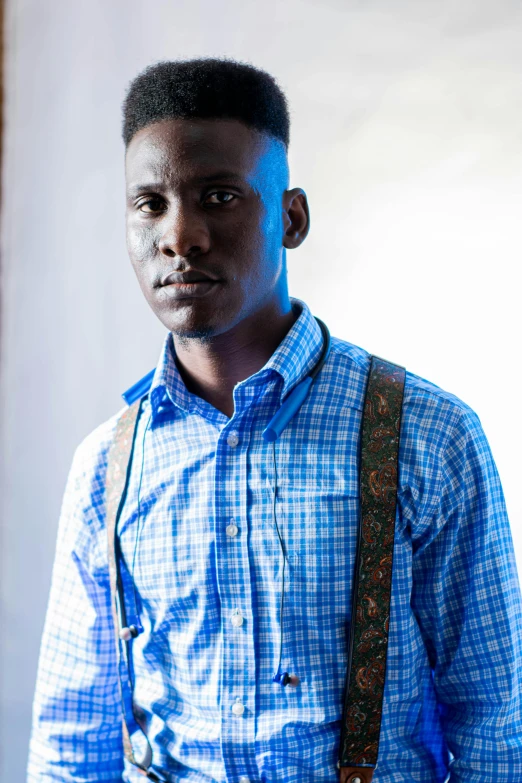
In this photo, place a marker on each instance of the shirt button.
(238, 708)
(237, 620)
(233, 439)
(232, 530)
(243, 779)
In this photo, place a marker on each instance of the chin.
(203, 333)
(199, 320)
(186, 326)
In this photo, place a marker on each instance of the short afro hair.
(206, 88)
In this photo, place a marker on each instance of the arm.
(76, 732)
(466, 597)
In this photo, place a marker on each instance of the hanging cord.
(278, 677)
(138, 529)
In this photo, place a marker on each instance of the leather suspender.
(118, 473)
(371, 592)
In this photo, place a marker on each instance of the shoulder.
(436, 425)
(84, 497)
(422, 398)
(82, 528)
(91, 455)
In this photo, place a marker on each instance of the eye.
(152, 206)
(219, 197)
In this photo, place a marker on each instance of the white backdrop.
(407, 137)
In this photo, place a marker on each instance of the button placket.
(235, 588)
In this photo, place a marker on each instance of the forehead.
(180, 148)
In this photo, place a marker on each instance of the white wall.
(407, 136)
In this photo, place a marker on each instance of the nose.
(184, 233)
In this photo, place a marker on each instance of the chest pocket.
(318, 506)
(319, 528)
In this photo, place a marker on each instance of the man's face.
(207, 222)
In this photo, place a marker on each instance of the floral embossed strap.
(361, 721)
(118, 470)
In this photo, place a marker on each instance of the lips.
(187, 285)
(187, 278)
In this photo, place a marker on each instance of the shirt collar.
(300, 350)
(293, 360)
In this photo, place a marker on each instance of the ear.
(296, 218)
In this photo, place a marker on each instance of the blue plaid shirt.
(203, 568)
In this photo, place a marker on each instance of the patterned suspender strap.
(361, 721)
(118, 472)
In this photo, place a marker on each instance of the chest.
(191, 481)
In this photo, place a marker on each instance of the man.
(237, 555)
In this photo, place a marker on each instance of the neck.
(211, 368)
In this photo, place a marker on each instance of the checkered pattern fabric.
(203, 566)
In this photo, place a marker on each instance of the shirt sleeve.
(76, 734)
(466, 596)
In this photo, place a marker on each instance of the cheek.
(141, 243)
(269, 242)
(261, 232)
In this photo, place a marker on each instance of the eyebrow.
(135, 190)
(220, 175)
(158, 186)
